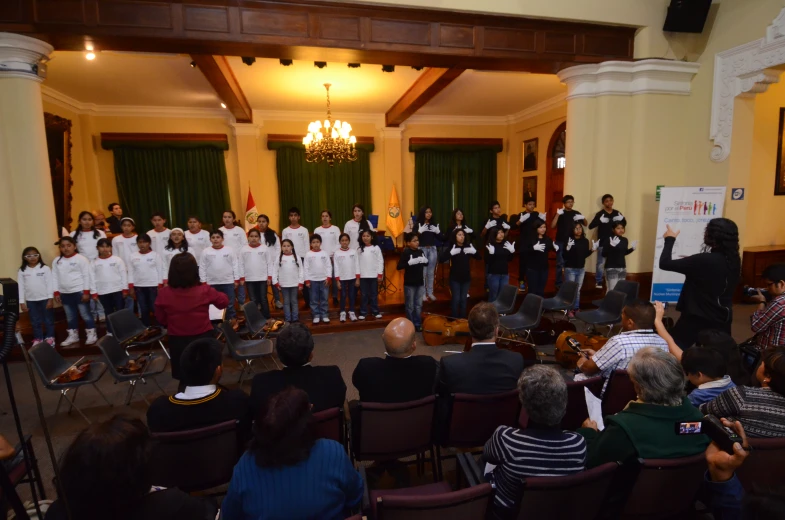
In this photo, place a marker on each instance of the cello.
(441, 330)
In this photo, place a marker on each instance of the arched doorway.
(554, 172)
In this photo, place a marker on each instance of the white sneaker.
(92, 337)
(425, 297)
(378, 315)
(73, 337)
(362, 316)
(316, 320)
(352, 316)
(278, 305)
(326, 319)
(342, 317)
(432, 298)
(109, 334)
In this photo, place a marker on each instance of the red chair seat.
(437, 488)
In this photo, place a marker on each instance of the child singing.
(36, 291)
(413, 262)
(458, 254)
(498, 256)
(71, 283)
(257, 265)
(145, 275)
(317, 274)
(347, 274)
(219, 269)
(577, 250)
(289, 279)
(108, 280)
(371, 273)
(615, 251)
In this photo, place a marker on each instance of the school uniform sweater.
(329, 234)
(288, 271)
(605, 229)
(108, 275)
(166, 259)
(197, 242)
(565, 224)
(347, 264)
(615, 255)
(87, 243)
(71, 274)
(575, 257)
(538, 259)
(316, 267)
(35, 284)
(352, 228)
(159, 240)
(219, 266)
(460, 266)
(300, 238)
(182, 412)
(234, 238)
(429, 234)
(145, 270)
(413, 263)
(498, 260)
(256, 263)
(371, 261)
(125, 247)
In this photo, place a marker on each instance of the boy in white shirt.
(318, 271)
(257, 266)
(330, 245)
(159, 235)
(300, 240)
(198, 239)
(124, 245)
(234, 238)
(219, 269)
(145, 275)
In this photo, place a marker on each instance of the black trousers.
(686, 330)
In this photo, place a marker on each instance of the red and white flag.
(251, 212)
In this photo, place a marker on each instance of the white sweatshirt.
(352, 228)
(330, 243)
(124, 247)
(347, 264)
(219, 266)
(158, 241)
(145, 270)
(87, 245)
(300, 238)
(234, 238)
(317, 266)
(71, 274)
(197, 243)
(287, 272)
(35, 284)
(371, 262)
(256, 263)
(108, 275)
(166, 260)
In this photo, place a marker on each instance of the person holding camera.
(768, 321)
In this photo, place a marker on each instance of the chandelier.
(328, 141)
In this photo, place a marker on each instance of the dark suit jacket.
(324, 386)
(486, 369)
(395, 380)
(169, 414)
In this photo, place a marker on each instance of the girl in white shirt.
(371, 273)
(177, 244)
(317, 274)
(198, 239)
(145, 274)
(257, 266)
(125, 245)
(35, 295)
(270, 238)
(347, 274)
(108, 280)
(86, 236)
(71, 284)
(289, 278)
(236, 239)
(358, 223)
(219, 269)
(159, 235)
(330, 245)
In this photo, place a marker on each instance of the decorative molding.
(457, 141)
(745, 70)
(629, 78)
(241, 129)
(294, 138)
(306, 116)
(23, 57)
(107, 137)
(538, 109)
(393, 132)
(458, 120)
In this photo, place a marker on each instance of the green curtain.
(446, 180)
(312, 187)
(177, 182)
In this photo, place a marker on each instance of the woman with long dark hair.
(706, 300)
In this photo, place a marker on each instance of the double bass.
(441, 330)
(566, 356)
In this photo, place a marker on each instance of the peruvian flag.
(251, 212)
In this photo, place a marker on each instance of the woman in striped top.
(540, 450)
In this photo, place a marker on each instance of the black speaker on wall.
(687, 16)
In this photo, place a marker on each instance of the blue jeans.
(240, 294)
(74, 307)
(129, 303)
(145, 298)
(572, 274)
(276, 294)
(336, 285)
(258, 293)
(290, 310)
(559, 263)
(320, 297)
(112, 303)
(348, 292)
(414, 295)
(369, 288)
(613, 275)
(537, 279)
(495, 284)
(431, 254)
(600, 263)
(41, 318)
(306, 291)
(459, 291)
(228, 290)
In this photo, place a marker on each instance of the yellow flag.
(394, 220)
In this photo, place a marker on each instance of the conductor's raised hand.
(669, 233)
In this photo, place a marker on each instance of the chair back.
(567, 293)
(505, 302)
(613, 303)
(577, 411)
(765, 465)
(328, 424)
(113, 352)
(233, 340)
(474, 418)
(629, 288)
(195, 460)
(579, 495)
(125, 325)
(253, 317)
(466, 504)
(531, 309)
(48, 362)
(618, 393)
(665, 488)
(385, 431)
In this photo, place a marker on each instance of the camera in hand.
(713, 427)
(751, 292)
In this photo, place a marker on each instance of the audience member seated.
(760, 410)
(202, 402)
(324, 385)
(644, 429)
(286, 473)
(486, 369)
(637, 323)
(542, 449)
(105, 474)
(768, 321)
(400, 376)
(705, 369)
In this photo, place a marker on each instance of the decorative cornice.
(743, 70)
(393, 132)
(240, 129)
(629, 78)
(539, 109)
(306, 116)
(23, 57)
(458, 120)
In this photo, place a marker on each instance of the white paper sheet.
(594, 404)
(216, 314)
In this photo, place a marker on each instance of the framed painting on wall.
(58, 148)
(529, 189)
(530, 154)
(779, 177)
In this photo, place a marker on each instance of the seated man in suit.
(324, 385)
(486, 369)
(202, 402)
(399, 376)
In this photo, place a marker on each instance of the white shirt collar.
(196, 392)
(388, 355)
(719, 383)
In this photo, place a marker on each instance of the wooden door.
(554, 176)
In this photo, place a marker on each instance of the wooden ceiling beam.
(219, 74)
(426, 87)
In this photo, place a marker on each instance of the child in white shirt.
(35, 295)
(159, 235)
(219, 269)
(318, 272)
(300, 242)
(289, 278)
(86, 236)
(347, 274)
(271, 239)
(235, 238)
(357, 224)
(177, 244)
(257, 266)
(198, 239)
(145, 275)
(71, 284)
(124, 245)
(108, 280)
(330, 245)
(371, 273)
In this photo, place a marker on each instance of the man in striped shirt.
(768, 321)
(540, 450)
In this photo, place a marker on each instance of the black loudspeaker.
(9, 301)
(687, 16)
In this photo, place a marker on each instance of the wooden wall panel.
(408, 33)
(148, 15)
(601, 45)
(11, 11)
(60, 11)
(280, 23)
(559, 42)
(456, 36)
(210, 19)
(339, 28)
(509, 39)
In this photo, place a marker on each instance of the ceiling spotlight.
(193, 64)
(417, 67)
(249, 60)
(284, 62)
(320, 64)
(388, 68)
(354, 65)
(90, 56)
(223, 105)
